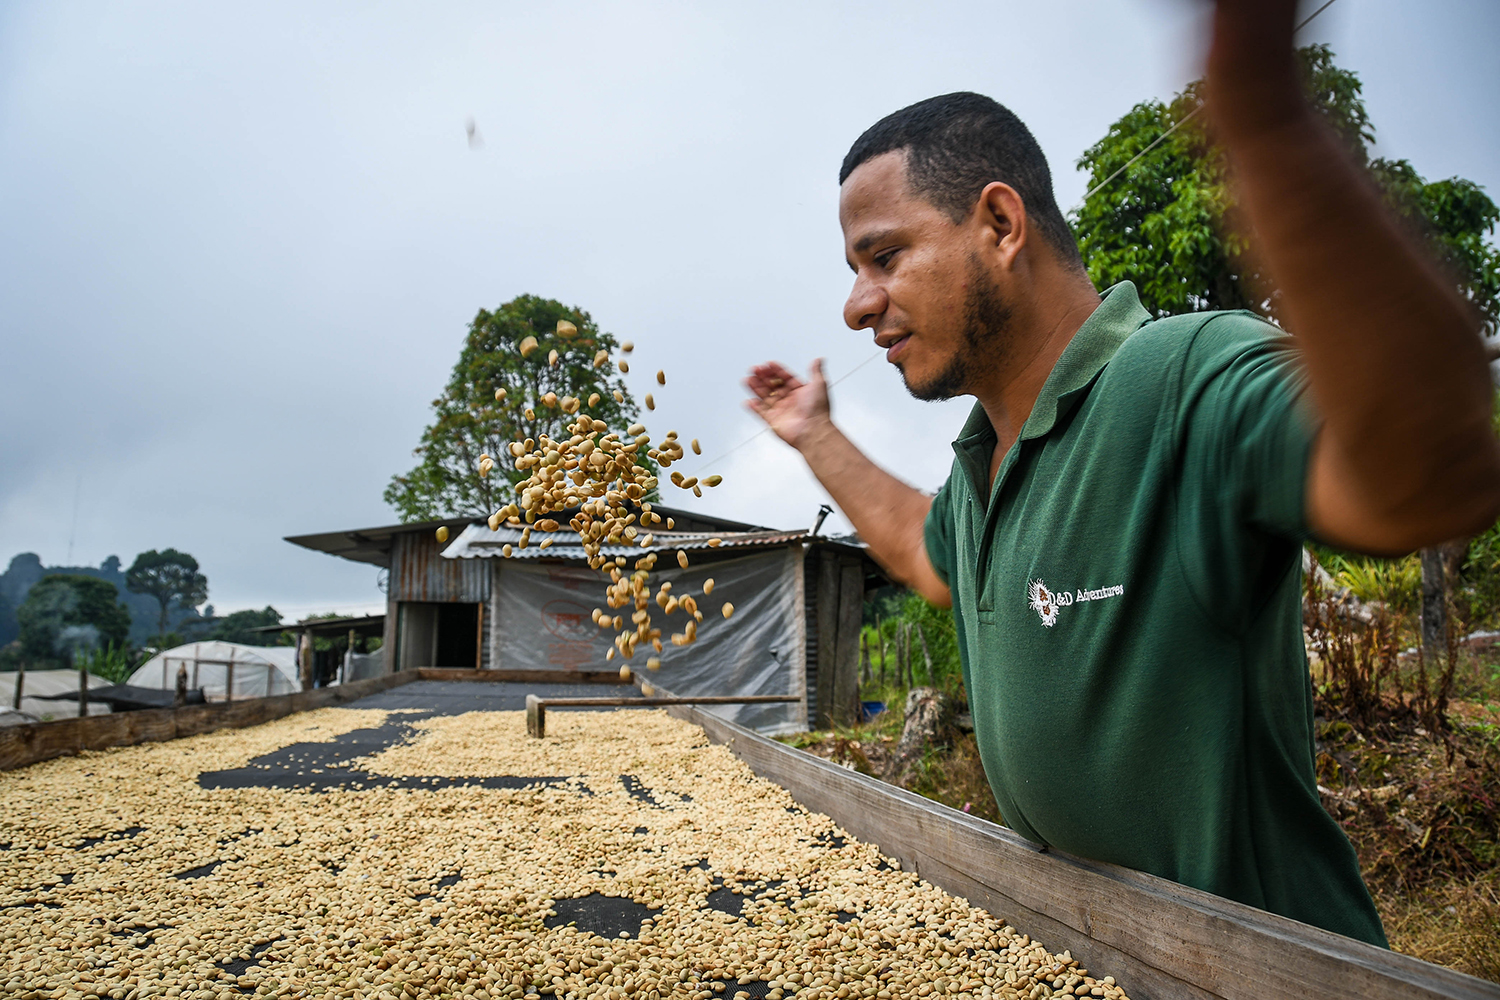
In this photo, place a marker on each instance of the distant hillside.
(26, 569)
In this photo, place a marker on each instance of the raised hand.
(790, 406)
(1252, 77)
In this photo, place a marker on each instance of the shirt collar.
(1119, 315)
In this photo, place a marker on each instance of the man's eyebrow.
(868, 240)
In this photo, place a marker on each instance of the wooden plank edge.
(1163, 940)
(657, 702)
(521, 676)
(38, 741)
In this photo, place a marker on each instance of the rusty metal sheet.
(419, 573)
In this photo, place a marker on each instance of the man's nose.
(866, 302)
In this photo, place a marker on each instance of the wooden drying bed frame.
(536, 708)
(1160, 940)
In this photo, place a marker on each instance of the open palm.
(787, 404)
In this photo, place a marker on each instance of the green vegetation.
(112, 662)
(67, 615)
(469, 421)
(918, 645)
(236, 627)
(908, 643)
(1167, 221)
(169, 576)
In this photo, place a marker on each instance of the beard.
(986, 321)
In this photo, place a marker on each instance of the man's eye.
(884, 259)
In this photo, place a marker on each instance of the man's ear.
(1002, 215)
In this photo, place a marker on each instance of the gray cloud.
(241, 245)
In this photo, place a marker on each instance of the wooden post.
(906, 657)
(845, 708)
(229, 680)
(83, 690)
(864, 658)
(880, 638)
(828, 637)
(926, 656)
(305, 660)
(20, 682)
(388, 636)
(896, 652)
(536, 708)
(479, 635)
(180, 698)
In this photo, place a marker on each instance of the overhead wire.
(723, 455)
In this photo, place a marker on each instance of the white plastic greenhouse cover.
(543, 622)
(259, 671)
(50, 682)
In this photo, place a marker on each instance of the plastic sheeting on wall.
(542, 621)
(362, 666)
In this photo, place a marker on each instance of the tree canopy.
(171, 577)
(64, 614)
(1167, 221)
(236, 627)
(468, 421)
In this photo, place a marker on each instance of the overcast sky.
(240, 244)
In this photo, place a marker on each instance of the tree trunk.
(927, 720)
(1434, 605)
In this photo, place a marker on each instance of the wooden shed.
(445, 606)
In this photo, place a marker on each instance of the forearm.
(888, 514)
(1395, 364)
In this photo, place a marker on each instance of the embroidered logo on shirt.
(1043, 602)
(1046, 603)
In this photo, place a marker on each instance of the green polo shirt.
(1128, 602)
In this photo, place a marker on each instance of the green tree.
(1167, 223)
(469, 422)
(237, 625)
(171, 577)
(64, 614)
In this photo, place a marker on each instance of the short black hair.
(958, 143)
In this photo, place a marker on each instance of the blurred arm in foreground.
(1397, 370)
(887, 513)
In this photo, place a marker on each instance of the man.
(1120, 537)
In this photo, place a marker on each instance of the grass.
(1423, 811)
(951, 774)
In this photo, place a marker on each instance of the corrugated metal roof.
(479, 542)
(374, 545)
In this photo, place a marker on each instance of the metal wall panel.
(420, 573)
